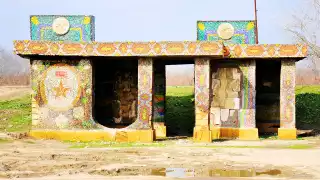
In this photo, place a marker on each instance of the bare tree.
(14, 70)
(305, 28)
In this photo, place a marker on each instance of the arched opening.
(115, 85)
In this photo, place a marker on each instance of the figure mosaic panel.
(202, 83)
(225, 96)
(234, 32)
(233, 94)
(287, 94)
(62, 94)
(62, 28)
(186, 48)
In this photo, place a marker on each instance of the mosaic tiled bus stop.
(88, 90)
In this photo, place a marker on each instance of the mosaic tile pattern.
(287, 94)
(81, 28)
(145, 90)
(265, 50)
(244, 31)
(159, 93)
(198, 48)
(118, 48)
(202, 83)
(248, 94)
(61, 96)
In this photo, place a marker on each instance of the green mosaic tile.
(81, 28)
(244, 31)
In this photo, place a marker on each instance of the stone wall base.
(287, 133)
(160, 130)
(202, 135)
(234, 133)
(87, 135)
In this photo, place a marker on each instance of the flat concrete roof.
(158, 49)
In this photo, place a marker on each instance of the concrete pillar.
(248, 130)
(201, 132)
(159, 99)
(145, 90)
(287, 128)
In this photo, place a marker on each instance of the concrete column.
(201, 130)
(287, 128)
(159, 99)
(248, 130)
(35, 97)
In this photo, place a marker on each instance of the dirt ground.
(12, 92)
(25, 158)
(48, 159)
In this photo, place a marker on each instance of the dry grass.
(15, 80)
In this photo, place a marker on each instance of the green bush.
(308, 106)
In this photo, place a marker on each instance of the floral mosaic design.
(199, 48)
(265, 50)
(287, 94)
(202, 75)
(244, 31)
(62, 94)
(81, 28)
(248, 94)
(28, 47)
(145, 90)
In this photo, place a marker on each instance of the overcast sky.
(144, 20)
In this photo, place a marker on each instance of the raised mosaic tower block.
(232, 32)
(76, 28)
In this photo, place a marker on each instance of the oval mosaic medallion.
(60, 87)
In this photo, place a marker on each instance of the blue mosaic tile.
(244, 31)
(82, 28)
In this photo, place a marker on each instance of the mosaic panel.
(62, 94)
(145, 90)
(287, 94)
(243, 32)
(225, 101)
(159, 93)
(199, 48)
(248, 94)
(202, 83)
(71, 28)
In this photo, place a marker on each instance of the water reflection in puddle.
(184, 172)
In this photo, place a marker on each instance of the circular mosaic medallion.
(225, 31)
(60, 26)
(60, 87)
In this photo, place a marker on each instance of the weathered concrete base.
(160, 130)
(287, 133)
(87, 135)
(248, 134)
(202, 135)
(233, 133)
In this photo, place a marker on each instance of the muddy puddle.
(189, 172)
(184, 173)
